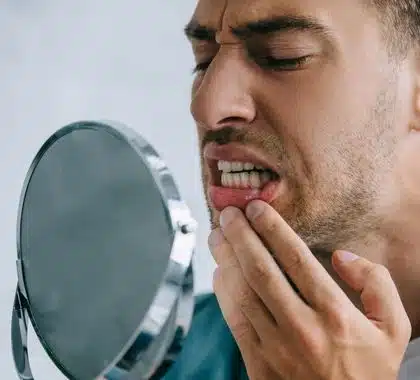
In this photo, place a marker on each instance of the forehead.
(217, 14)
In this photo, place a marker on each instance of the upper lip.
(235, 152)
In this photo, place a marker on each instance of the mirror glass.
(95, 238)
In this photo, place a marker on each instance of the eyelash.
(266, 62)
(201, 67)
(285, 64)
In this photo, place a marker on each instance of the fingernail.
(254, 209)
(215, 238)
(227, 215)
(346, 257)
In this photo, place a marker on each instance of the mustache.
(272, 145)
(223, 136)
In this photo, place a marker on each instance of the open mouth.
(241, 175)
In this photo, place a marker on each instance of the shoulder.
(209, 352)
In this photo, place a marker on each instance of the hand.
(318, 334)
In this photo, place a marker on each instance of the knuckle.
(240, 328)
(408, 330)
(295, 259)
(257, 271)
(379, 271)
(235, 226)
(312, 339)
(270, 226)
(313, 344)
(340, 320)
(245, 298)
(403, 331)
(279, 357)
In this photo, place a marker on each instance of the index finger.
(313, 281)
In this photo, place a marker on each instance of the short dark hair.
(401, 20)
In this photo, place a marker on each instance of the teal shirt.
(209, 351)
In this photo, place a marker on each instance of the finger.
(245, 336)
(238, 289)
(379, 295)
(259, 370)
(240, 326)
(260, 269)
(221, 249)
(295, 258)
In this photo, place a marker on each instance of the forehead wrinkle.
(208, 13)
(224, 36)
(222, 15)
(245, 11)
(240, 12)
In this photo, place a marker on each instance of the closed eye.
(267, 62)
(282, 64)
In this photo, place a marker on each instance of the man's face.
(307, 90)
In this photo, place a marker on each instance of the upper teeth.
(228, 166)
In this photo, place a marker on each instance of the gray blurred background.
(63, 61)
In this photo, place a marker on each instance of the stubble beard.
(341, 206)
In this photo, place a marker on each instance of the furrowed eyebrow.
(279, 24)
(195, 31)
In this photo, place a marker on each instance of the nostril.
(231, 120)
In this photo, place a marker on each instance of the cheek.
(299, 112)
(315, 109)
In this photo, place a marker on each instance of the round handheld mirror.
(105, 246)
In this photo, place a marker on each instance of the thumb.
(379, 295)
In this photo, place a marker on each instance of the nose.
(223, 95)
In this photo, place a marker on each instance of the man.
(308, 118)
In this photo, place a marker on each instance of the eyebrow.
(195, 31)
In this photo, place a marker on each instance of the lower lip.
(222, 197)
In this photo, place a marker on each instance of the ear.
(409, 150)
(415, 123)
